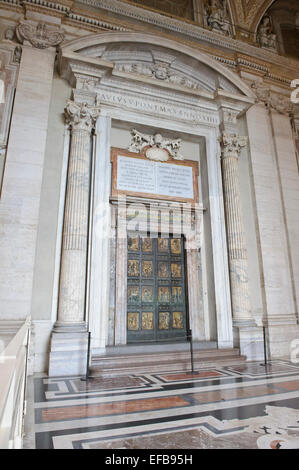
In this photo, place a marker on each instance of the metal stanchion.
(87, 376)
(191, 350)
(265, 348)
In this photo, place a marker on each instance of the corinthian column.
(231, 146)
(71, 311)
(68, 346)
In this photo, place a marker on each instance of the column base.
(248, 337)
(68, 351)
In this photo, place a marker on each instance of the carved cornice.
(215, 44)
(81, 116)
(93, 24)
(74, 16)
(191, 31)
(280, 103)
(256, 67)
(231, 144)
(38, 35)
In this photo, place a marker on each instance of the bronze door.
(156, 303)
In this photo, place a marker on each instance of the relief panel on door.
(156, 304)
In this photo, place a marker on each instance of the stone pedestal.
(68, 355)
(249, 339)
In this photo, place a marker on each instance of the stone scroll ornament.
(38, 35)
(155, 147)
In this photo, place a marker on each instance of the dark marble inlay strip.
(104, 409)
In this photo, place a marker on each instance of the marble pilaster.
(195, 295)
(272, 177)
(100, 237)
(22, 182)
(289, 183)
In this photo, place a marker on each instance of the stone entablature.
(194, 31)
(210, 41)
(272, 99)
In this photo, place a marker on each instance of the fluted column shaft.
(71, 309)
(237, 252)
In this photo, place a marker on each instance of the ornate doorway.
(156, 299)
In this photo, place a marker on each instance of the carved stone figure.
(217, 16)
(9, 34)
(265, 35)
(17, 54)
(38, 35)
(159, 148)
(161, 71)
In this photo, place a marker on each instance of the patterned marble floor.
(246, 406)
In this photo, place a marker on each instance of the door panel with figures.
(156, 301)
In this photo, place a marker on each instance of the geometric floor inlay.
(232, 407)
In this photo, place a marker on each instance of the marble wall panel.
(273, 243)
(22, 180)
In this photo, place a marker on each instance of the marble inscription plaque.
(135, 175)
(157, 178)
(174, 180)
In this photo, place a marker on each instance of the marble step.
(163, 362)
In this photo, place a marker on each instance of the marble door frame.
(192, 285)
(219, 242)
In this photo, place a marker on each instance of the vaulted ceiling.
(246, 13)
(246, 16)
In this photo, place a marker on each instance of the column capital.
(231, 144)
(81, 116)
